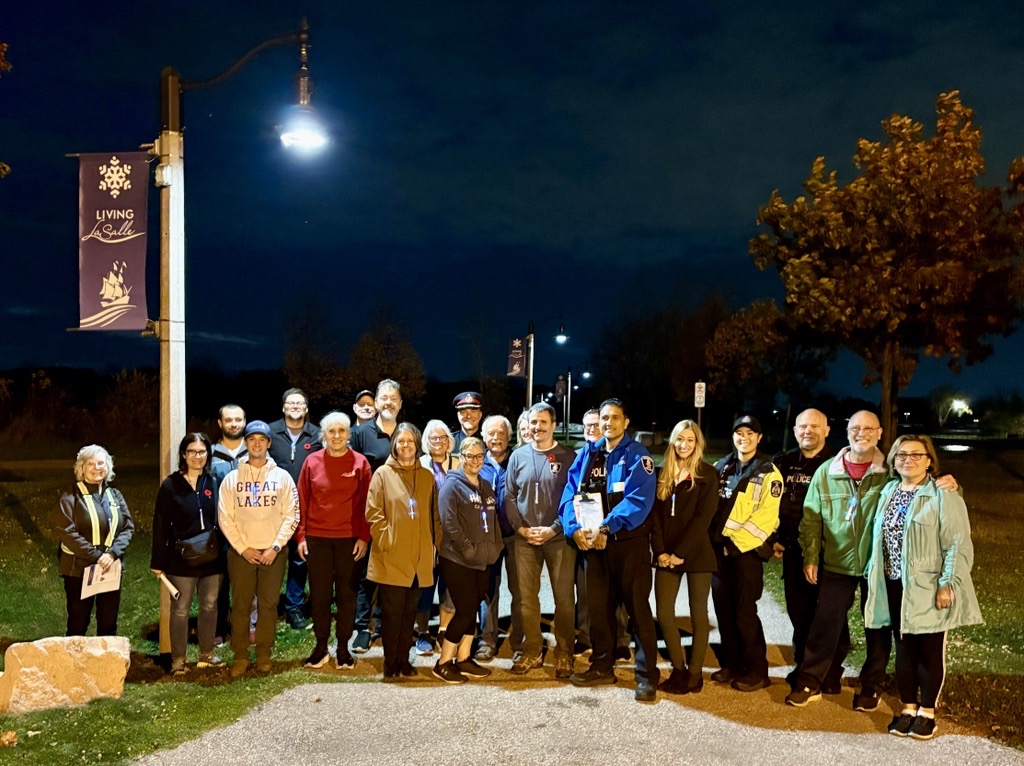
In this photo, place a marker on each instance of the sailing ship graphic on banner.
(115, 298)
(112, 241)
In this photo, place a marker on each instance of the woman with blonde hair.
(94, 527)
(685, 503)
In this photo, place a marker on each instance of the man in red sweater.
(333, 534)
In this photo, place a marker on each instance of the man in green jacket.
(836, 531)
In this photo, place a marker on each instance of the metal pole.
(171, 324)
(529, 366)
(568, 401)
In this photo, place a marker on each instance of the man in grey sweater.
(536, 475)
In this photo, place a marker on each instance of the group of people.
(381, 519)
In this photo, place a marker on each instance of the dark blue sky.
(533, 160)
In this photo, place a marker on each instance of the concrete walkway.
(510, 719)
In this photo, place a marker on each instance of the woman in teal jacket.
(919, 578)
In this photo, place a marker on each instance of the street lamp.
(169, 176)
(561, 338)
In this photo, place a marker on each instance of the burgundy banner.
(112, 193)
(517, 358)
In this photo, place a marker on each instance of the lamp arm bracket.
(295, 38)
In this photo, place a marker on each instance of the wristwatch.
(277, 548)
(605, 530)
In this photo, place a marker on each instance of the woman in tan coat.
(405, 528)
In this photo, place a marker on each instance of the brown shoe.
(263, 665)
(526, 664)
(563, 667)
(238, 668)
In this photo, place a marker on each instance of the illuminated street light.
(302, 129)
(958, 407)
(560, 339)
(169, 176)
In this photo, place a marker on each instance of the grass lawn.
(154, 712)
(986, 663)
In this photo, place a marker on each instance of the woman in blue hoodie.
(470, 544)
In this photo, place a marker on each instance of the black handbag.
(201, 549)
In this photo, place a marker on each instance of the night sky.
(491, 162)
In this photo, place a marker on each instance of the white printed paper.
(95, 580)
(589, 511)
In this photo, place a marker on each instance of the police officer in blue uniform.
(605, 510)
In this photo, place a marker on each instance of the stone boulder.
(63, 672)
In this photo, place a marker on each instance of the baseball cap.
(257, 427)
(747, 421)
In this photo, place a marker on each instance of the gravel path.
(510, 719)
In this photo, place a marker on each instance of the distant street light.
(958, 407)
(561, 338)
(303, 131)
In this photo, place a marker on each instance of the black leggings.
(467, 588)
(920, 657)
(666, 590)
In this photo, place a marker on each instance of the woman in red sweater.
(333, 534)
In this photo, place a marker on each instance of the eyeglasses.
(472, 458)
(862, 429)
(591, 426)
(912, 456)
(195, 452)
(437, 439)
(294, 404)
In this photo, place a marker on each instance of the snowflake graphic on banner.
(115, 177)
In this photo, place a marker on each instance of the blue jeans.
(295, 588)
(560, 560)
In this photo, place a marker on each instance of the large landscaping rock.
(62, 672)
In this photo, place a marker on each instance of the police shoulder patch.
(776, 488)
(648, 463)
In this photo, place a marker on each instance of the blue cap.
(257, 427)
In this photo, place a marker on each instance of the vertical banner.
(112, 193)
(516, 359)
